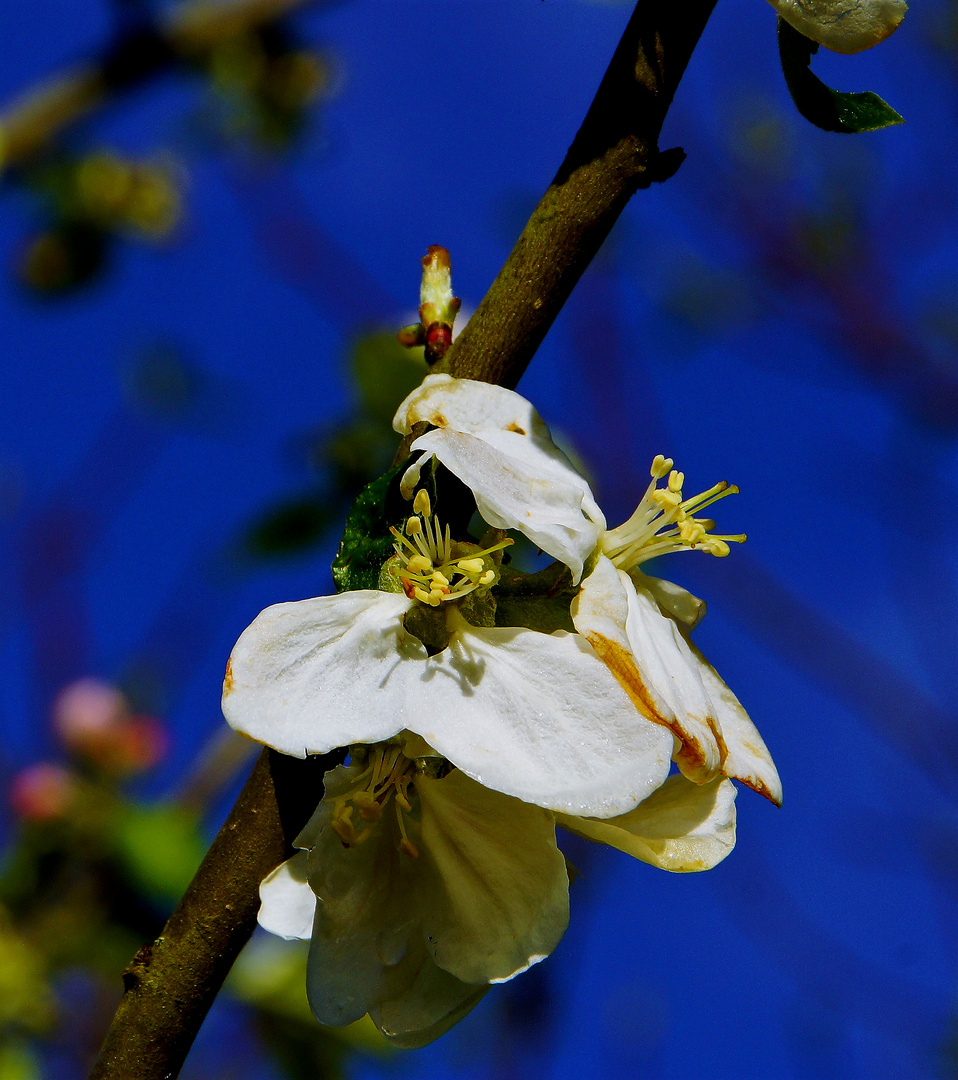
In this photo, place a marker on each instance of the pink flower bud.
(42, 792)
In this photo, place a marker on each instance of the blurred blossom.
(93, 719)
(42, 792)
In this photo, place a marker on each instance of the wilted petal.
(496, 444)
(287, 903)
(540, 717)
(310, 676)
(681, 827)
(847, 26)
(363, 919)
(494, 886)
(747, 758)
(652, 661)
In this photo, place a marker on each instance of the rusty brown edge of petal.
(691, 753)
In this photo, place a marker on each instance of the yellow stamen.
(665, 522)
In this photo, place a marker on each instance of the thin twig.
(39, 116)
(614, 154)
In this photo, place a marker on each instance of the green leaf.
(367, 542)
(289, 529)
(160, 846)
(828, 109)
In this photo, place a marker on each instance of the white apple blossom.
(430, 870)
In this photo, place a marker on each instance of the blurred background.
(199, 286)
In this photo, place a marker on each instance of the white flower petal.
(648, 655)
(517, 486)
(287, 902)
(493, 884)
(540, 717)
(493, 440)
(310, 676)
(847, 26)
(747, 757)
(682, 827)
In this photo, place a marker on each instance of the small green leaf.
(826, 108)
(367, 542)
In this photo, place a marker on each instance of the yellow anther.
(439, 579)
(402, 801)
(660, 466)
(420, 594)
(419, 564)
(436, 597)
(421, 503)
(487, 578)
(407, 847)
(676, 480)
(371, 813)
(413, 526)
(471, 566)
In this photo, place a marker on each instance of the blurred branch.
(39, 116)
(614, 154)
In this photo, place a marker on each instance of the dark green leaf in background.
(367, 542)
(826, 108)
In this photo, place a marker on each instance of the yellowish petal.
(494, 889)
(682, 827)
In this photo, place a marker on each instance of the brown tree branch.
(614, 154)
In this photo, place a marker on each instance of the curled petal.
(747, 757)
(540, 717)
(298, 670)
(468, 405)
(687, 609)
(495, 889)
(652, 661)
(846, 26)
(496, 444)
(287, 903)
(682, 827)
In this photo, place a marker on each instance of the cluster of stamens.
(664, 521)
(428, 571)
(387, 776)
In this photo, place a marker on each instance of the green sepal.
(367, 542)
(828, 109)
(536, 601)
